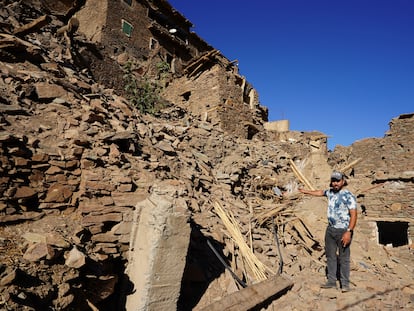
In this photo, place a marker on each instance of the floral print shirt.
(339, 204)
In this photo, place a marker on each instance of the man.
(342, 217)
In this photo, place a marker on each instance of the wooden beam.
(33, 26)
(350, 165)
(252, 296)
(300, 176)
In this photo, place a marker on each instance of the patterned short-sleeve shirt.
(339, 204)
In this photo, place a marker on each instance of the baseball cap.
(337, 175)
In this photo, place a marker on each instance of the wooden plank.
(350, 165)
(252, 296)
(300, 176)
(33, 26)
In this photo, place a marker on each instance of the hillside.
(104, 207)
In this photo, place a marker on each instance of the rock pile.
(76, 159)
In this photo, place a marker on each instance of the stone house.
(143, 29)
(201, 79)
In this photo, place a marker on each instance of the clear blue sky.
(341, 67)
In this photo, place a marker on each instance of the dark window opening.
(169, 59)
(395, 233)
(129, 2)
(251, 131)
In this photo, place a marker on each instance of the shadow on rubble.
(202, 268)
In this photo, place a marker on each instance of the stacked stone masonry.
(79, 164)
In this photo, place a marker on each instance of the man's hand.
(346, 238)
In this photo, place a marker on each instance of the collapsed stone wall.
(213, 90)
(385, 169)
(76, 159)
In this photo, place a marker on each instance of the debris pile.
(76, 159)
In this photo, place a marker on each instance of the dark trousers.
(337, 256)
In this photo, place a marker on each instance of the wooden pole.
(252, 296)
(300, 176)
(347, 167)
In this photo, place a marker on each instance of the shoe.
(345, 289)
(328, 285)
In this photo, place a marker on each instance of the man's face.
(337, 184)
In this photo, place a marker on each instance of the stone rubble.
(76, 159)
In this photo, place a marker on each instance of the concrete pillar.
(158, 250)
